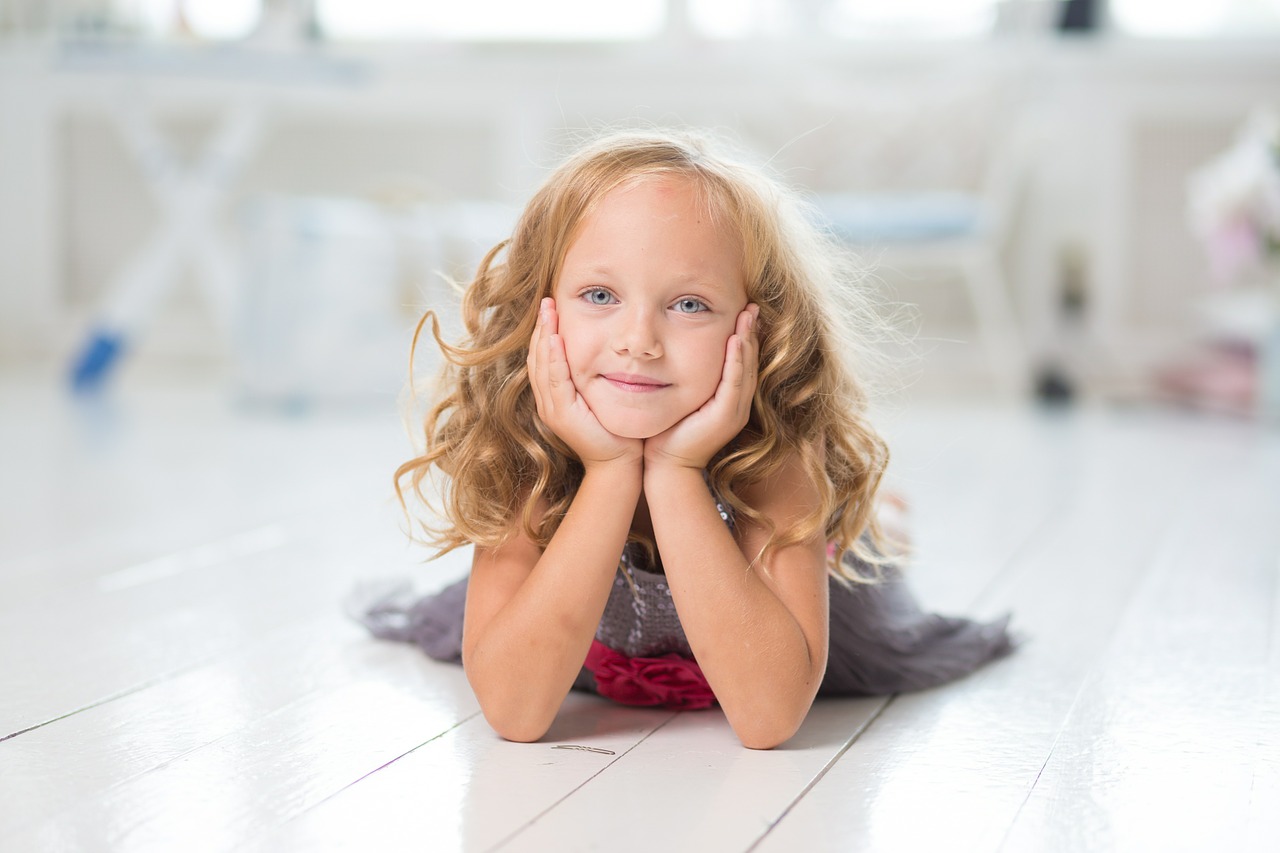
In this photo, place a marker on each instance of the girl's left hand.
(693, 440)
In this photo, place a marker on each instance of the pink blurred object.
(1233, 249)
(1219, 378)
(1234, 201)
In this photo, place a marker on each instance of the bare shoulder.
(517, 550)
(795, 571)
(788, 493)
(788, 500)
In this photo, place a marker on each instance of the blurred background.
(1080, 198)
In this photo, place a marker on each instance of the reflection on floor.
(176, 669)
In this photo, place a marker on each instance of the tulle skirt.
(881, 640)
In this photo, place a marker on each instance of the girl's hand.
(692, 441)
(560, 405)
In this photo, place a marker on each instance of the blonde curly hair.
(500, 461)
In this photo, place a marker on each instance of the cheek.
(710, 364)
(576, 346)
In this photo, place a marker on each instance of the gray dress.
(881, 641)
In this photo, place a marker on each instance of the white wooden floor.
(176, 672)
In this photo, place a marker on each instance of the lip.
(634, 382)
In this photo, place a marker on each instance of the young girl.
(652, 440)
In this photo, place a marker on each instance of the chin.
(633, 430)
(634, 427)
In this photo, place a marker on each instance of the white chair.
(926, 183)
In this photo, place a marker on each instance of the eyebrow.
(689, 279)
(597, 271)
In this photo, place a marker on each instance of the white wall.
(1127, 122)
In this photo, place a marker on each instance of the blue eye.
(689, 305)
(598, 296)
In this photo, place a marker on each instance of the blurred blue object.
(96, 359)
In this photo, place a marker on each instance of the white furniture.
(190, 196)
(952, 215)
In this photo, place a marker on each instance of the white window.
(490, 20)
(214, 20)
(637, 20)
(1195, 18)
(727, 19)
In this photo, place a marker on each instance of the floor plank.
(173, 652)
(696, 788)
(166, 466)
(279, 765)
(955, 477)
(1263, 828)
(966, 755)
(113, 743)
(469, 789)
(96, 640)
(1132, 768)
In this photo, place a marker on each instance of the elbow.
(515, 717)
(766, 731)
(515, 722)
(765, 737)
(519, 731)
(766, 725)
(514, 708)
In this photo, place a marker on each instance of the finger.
(751, 347)
(735, 366)
(730, 387)
(749, 333)
(744, 377)
(559, 382)
(537, 362)
(552, 316)
(738, 382)
(539, 331)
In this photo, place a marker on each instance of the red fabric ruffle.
(670, 681)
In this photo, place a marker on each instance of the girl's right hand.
(560, 405)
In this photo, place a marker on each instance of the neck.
(641, 523)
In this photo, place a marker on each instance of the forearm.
(757, 658)
(523, 659)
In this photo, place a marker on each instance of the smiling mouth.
(632, 382)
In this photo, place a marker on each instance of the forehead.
(658, 231)
(681, 193)
(654, 211)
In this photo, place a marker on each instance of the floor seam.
(826, 768)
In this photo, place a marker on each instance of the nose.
(637, 333)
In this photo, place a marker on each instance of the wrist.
(658, 459)
(669, 469)
(626, 466)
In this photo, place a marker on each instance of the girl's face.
(647, 298)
